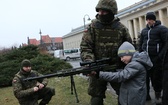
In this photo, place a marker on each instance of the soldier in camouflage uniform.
(29, 92)
(101, 40)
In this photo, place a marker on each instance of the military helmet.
(110, 5)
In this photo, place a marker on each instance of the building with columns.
(133, 17)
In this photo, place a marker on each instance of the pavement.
(152, 94)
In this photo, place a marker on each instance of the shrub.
(43, 63)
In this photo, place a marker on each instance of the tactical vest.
(107, 40)
(26, 84)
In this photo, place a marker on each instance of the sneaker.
(158, 101)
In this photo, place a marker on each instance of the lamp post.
(40, 36)
(84, 19)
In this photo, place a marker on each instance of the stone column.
(167, 12)
(161, 16)
(130, 28)
(141, 23)
(135, 28)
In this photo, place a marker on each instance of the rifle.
(86, 68)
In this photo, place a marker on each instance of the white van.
(58, 53)
(67, 54)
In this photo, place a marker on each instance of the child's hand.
(92, 73)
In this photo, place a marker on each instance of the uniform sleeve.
(43, 81)
(18, 90)
(127, 73)
(87, 47)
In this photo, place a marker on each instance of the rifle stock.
(91, 66)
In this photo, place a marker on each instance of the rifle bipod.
(73, 87)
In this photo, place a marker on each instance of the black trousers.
(45, 94)
(155, 76)
(165, 88)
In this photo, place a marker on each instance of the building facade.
(47, 43)
(133, 17)
(73, 39)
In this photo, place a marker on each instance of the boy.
(132, 77)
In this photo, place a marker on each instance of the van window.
(68, 54)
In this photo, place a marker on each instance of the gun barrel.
(94, 66)
(61, 73)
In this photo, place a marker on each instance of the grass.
(63, 95)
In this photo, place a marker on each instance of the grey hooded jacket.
(133, 78)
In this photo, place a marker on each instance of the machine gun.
(86, 68)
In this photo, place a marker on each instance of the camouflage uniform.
(24, 92)
(102, 40)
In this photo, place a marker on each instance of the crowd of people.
(103, 38)
(132, 69)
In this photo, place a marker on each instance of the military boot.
(42, 104)
(97, 101)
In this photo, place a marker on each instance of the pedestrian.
(29, 92)
(165, 76)
(101, 40)
(132, 77)
(153, 41)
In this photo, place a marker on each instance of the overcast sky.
(20, 19)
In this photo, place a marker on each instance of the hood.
(158, 22)
(143, 58)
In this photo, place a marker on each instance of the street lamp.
(84, 19)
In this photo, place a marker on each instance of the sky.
(20, 19)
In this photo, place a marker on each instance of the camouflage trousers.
(97, 90)
(45, 94)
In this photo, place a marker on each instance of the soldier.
(29, 92)
(101, 40)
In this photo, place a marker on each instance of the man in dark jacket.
(153, 41)
(29, 92)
